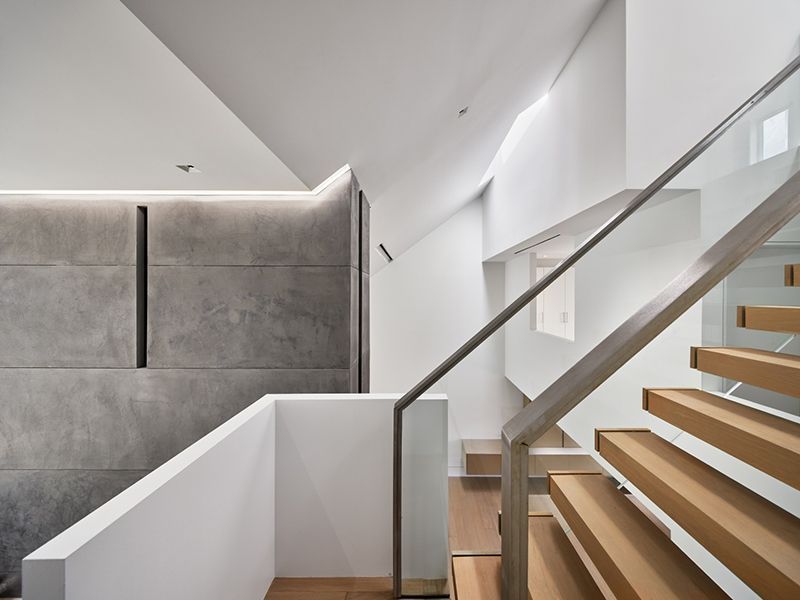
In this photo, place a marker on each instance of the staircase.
(610, 547)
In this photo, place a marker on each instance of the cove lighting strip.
(237, 193)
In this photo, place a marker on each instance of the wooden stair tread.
(483, 456)
(555, 571)
(477, 577)
(633, 556)
(472, 514)
(784, 319)
(552, 438)
(494, 448)
(774, 371)
(755, 539)
(791, 275)
(765, 441)
(554, 568)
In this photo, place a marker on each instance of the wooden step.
(554, 568)
(770, 370)
(555, 571)
(784, 319)
(633, 556)
(477, 577)
(765, 441)
(755, 539)
(483, 457)
(791, 275)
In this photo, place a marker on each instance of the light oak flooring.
(473, 526)
(474, 507)
(474, 504)
(349, 588)
(330, 588)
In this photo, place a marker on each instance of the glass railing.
(425, 564)
(601, 280)
(757, 281)
(685, 229)
(713, 321)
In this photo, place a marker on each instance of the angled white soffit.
(378, 84)
(91, 99)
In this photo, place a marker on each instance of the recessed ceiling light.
(189, 168)
(463, 111)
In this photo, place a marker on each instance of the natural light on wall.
(514, 135)
(775, 135)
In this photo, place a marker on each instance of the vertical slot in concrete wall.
(141, 286)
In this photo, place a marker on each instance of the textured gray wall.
(243, 299)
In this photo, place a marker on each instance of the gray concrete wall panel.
(129, 418)
(67, 232)
(249, 317)
(67, 316)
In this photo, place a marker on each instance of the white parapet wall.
(200, 526)
(334, 487)
(294, 485)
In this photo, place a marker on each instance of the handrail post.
(397, 503)
(514, 492)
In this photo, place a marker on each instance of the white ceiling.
(91, 99)
(378, 84)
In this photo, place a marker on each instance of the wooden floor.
(334, 588)
(474, 505)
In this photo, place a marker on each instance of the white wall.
(200, 526)
(611, 283)
(648, 81)
(689, 64)
(573, 154)
(425, 305)
(334, 487)
(292, 486)
(93, 100)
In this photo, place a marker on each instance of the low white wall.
(334, 486)
(294, 485)
(200, 526)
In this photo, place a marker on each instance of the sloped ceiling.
(91, 99)
(378, 84)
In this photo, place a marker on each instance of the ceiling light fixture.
(384, 253)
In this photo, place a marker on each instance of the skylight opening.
(518, 128)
